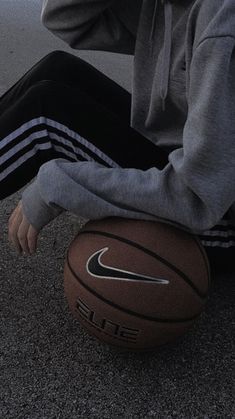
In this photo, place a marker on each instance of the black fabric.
(221, 259)
(67, 89)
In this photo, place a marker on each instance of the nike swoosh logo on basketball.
(97, 269)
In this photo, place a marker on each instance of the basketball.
(135, 284)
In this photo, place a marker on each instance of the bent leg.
(53, 120)
(65, 68)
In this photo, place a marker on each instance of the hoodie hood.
(165, 70)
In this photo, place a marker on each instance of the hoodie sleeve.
(105, 25)
(196, 187)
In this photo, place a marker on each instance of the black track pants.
(73, 96)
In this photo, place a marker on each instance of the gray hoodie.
(183, 95)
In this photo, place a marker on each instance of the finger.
(13, 230)
(22, 235)
(17, 212)
(32, 239)
(13, 216)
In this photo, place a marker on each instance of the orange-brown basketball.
(135, 284)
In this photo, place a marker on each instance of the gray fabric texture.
(183, 95)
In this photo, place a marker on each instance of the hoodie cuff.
(37, 212)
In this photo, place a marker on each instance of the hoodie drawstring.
(165, 70)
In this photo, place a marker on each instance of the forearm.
(92, 191)
(107, 25)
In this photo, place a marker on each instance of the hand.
(21, 234)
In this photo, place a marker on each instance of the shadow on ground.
(52, 368)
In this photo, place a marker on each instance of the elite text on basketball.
(105, 325)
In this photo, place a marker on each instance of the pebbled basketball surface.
(157, 285)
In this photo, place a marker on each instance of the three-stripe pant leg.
(52, 120)
(64, 107)
(219, 244)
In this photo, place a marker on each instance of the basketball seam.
(206, 260)
(102, 331)
(112, 304)
(150, 253)
(149, 348)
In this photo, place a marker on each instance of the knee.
(56, 57)
(40, 89)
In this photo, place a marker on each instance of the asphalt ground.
(50, 367)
